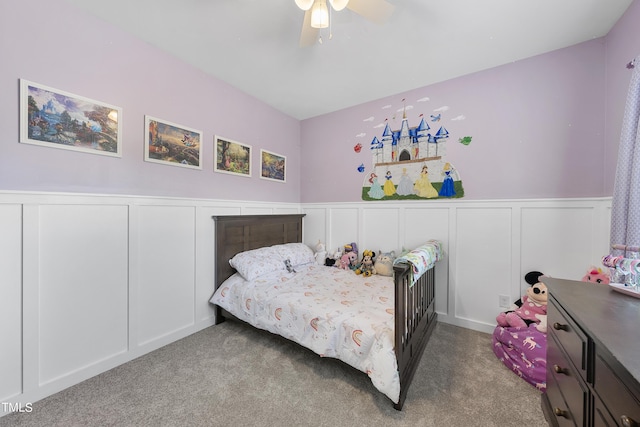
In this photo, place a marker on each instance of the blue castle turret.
(408, 143)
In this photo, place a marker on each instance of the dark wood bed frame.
(415, 316)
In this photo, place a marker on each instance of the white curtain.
(625, 208)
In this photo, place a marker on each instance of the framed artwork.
(54, 118)
(273, 166)
(232, 157)
(172, 144)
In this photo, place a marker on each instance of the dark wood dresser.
(593, 356)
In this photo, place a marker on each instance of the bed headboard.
(238, 233)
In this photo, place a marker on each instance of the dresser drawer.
(560, 411)
(569, 336)
(601, 415)
(623, 405)
(568, 382)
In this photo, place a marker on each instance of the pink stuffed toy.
(348, 260)
(531, 308)
(596, 275)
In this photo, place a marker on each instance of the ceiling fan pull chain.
(330, 24)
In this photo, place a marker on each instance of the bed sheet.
(331, 311)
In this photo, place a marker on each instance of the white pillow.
(257, 262)
(298, 253)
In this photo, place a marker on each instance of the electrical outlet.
(504, 301)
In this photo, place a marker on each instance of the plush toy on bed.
(384, 263)
(531, 308)
(320, 254)
(351, 247)
(334, 260)
(348, 261)
(366, 266)
(596, 275)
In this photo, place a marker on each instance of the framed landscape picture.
(172, 144)
(54, 118)
(273, 166)
(232, 157)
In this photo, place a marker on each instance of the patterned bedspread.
(331, 311)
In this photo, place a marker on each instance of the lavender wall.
(537, 127)
(623, 44)
(547, 126)
(52, 43)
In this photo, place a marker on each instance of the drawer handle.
(628, 422)
(560, 327)
(559, 370)
(560, 413)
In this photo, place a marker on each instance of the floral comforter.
(331, 311)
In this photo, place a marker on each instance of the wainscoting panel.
(380, 229)
(315, 227)
(83, 264)
(343, 227)
(10, 300)
(166, 270)
(559, 240)
(483, 259)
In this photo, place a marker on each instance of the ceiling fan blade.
(378, 11)
(308, 34)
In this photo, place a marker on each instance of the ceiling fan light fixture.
(338, 5)
(304, 4)
(319, 14)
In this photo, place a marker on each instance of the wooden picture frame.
(273, 166)
(172, 144)
(58, 119)
(232, 157)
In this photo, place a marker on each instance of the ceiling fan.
(317, 15)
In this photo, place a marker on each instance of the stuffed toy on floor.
(520, 339)
(531, 308)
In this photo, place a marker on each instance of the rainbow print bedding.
(331, 311)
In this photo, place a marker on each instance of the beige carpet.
(234, 375)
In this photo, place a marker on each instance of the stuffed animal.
(366, 266)
(531, 308)
(348, 261)
(383, 264)
(334, 260)
(321, 253)
(351, 247)
(596, 275)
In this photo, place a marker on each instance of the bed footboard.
(415, 318)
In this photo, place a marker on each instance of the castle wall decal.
(410, 162)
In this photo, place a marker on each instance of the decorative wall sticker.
(465, 140)
(410, 162)
(357, 147)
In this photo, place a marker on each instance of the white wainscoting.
(489, 245)
(10, 301)
(88, 282)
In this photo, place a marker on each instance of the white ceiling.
(253, 44)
